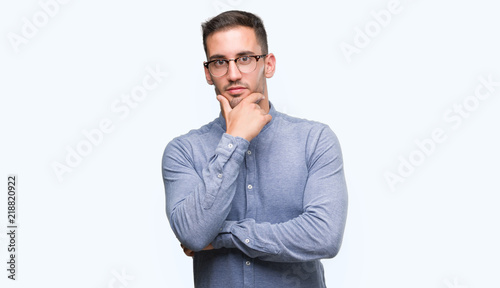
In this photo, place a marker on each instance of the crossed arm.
(197, 207)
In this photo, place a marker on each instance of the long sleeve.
(197, 205)
(316, 233)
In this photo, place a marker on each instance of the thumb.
(224, 104)
(254, 98)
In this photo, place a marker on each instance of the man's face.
(235, 86)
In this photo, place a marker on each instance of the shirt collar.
(272, 112)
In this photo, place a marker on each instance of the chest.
(270, 185)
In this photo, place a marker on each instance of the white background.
(438, 228)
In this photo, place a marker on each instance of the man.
(256, 196)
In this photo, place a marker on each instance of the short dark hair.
(231, 19)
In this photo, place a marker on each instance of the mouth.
(236, 90)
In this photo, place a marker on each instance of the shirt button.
(249, 152)
(247, 241)
(248, 263)
(250, 187)
(219, 176)
(230, 145)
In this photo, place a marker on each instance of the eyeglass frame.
(257, 58)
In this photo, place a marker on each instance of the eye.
(219, 63)
(245, 59)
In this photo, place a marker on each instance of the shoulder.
(320, 144)
(310, 129)
(185, 144)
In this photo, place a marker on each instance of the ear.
(270, 65)
(208, 76)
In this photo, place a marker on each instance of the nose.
(233, 72)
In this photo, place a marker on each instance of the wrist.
(239, 134)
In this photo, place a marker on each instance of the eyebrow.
(243, 53)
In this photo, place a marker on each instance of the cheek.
(260, 81)
(218, 85)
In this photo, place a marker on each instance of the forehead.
(232, 41)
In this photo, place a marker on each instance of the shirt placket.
(251, 211)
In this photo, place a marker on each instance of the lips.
(236, 90)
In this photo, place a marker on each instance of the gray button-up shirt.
(271, 207)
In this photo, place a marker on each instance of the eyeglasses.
(246, 64)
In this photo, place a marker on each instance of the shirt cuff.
(225, 238)
(223, 241)
(229, 144)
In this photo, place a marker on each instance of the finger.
(268, 118)
(188, 252)
(226, 108)
(254, 98)
(209, 247)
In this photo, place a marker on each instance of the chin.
(235, 101)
